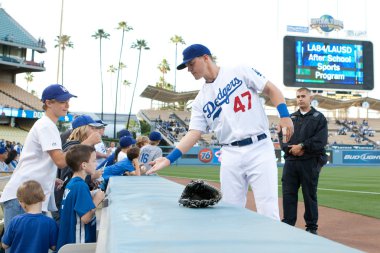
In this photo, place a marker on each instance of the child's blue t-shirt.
(76, 202)
(31, 233)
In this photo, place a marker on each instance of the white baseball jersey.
(230, 106)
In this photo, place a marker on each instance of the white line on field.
(336, 190)
(322, 189)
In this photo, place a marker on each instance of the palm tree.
(139, 45)
(176, 39)
(126, 84)
(63, 42)
(111, 69)
(164, 68)
(101, 34)
(125, 28)
(29, 78)
(160, 83)
(121, 67)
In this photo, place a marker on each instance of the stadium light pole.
(60, 35)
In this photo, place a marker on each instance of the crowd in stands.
(173, 128)
(359, 131)
(9, 155)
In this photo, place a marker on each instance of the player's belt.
(248, 140)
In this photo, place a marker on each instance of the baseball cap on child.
(85, 120)
(192, 52)
(126, 141)
(3, 150)
(56, 92)
(155, 136)
(123, 132)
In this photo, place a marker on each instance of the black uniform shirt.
(311, 130)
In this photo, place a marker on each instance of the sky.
(237, 32)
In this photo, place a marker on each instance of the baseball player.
(228, 104)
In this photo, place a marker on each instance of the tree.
(111, 69)
(121, 67)
(125, 28)
(63, 42)
(101, 34)
(163, 84)
(176, 39)
(29, 78)
(139, 45)
(134, 126)
(164, 68)
(126, 84)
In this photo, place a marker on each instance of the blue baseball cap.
(123, 132)
(192, 52)
(155, 136)
(56, 92)
(84, 120)
(126, 141)
(101, 122)
(3, 150)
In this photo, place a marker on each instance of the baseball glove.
(199, 194)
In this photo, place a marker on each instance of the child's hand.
(97, 174)
(58, 183)
(93, 139)
(98, 197)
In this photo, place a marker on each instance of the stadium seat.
(78, 248)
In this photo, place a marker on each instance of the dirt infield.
(354, 230)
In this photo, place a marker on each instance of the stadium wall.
(209, 156)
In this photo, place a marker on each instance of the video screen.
(328, 63)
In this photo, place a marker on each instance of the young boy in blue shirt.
(129, 166)
(77, 211)
(31, 231)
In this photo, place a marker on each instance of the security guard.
(304, 157)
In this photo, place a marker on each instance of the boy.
(152, 151)
(128, 166)
(126, 143)
(18, 235)
(41, 155)
(78, 221)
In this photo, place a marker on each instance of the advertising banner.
(361, 157)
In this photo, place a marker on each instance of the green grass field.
(352, 189)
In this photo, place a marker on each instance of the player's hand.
(158, 164)
(287, 127)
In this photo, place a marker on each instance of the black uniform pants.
(303, 173)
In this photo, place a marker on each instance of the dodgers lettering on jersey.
(230, 106)
(222, 97)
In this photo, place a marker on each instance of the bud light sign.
(363, 157)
